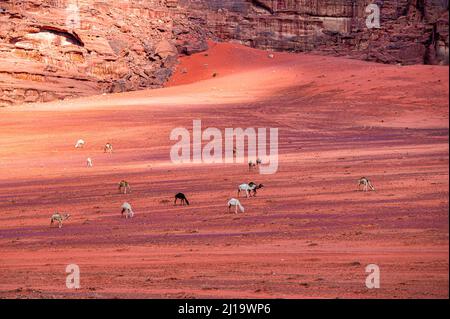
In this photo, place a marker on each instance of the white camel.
(57, 217)
(80, 143)
(246, 188)
(127, 210)
(249, 188)
(366, 183)
(236, 203)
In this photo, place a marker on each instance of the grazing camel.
(80, 144)
(57, 217)
(253, 165)
(124, 187)
(366, 183)
(183, 199)
(249, 188)
(108, 148)
(127, 210)
(236, 203)
(89, 162)
(254, 187)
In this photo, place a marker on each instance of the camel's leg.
(236, 209)
(175, 201)
(229, 208)
(60, 224)
(246, 193)
(51, 222)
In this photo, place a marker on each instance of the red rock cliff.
(411, 31)
(56, 49)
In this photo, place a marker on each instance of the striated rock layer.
(411, 31)
(56, 49)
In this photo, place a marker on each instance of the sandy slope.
(309, 233)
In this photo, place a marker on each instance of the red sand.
(308, 234)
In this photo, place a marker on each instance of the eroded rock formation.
(56, 49)
(411, 31)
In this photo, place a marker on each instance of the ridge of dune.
(247, 75)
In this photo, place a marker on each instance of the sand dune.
(308, 233)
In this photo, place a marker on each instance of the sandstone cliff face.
(56, 49)
(411, 31)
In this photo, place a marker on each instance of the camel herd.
(250, 190)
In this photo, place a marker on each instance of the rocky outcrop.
(57, 49)
(410, 32)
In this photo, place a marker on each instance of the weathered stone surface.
(411, 31)
(53, 49)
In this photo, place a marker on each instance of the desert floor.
(308, 234)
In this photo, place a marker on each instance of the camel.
(249, 188)
(124, 187)
(366, 183)
(183, 199)
(80, 143)
(236, 203)
(89, 162)
(108, 148)
(57, 217)
(127, 210)
(252, 164)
